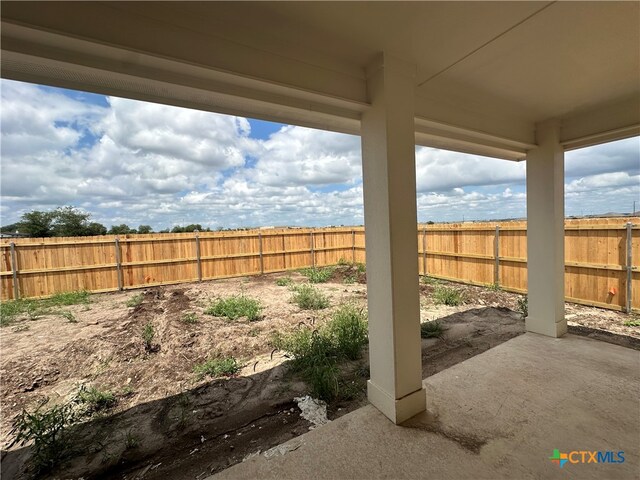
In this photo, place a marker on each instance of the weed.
(350, 279)
(127, 391)
(148, 334)
(342, 262)
(315, 354)
(318, 275)
(523, 306)
(308, 297)
(632, 323)
(431, 329)
(235, 307)
(217, 367)
(189, 317)
(71, 318)
(494, 287)
(448, 296)
(284, 281)
(48, 429)
(135, 300)
(254, 332)
(94, 400)
(427, 280)
(361, 267)
(348, 329)
(131, 441)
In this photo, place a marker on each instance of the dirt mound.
(349, 274)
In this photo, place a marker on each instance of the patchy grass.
(448, 296)
(632, 323)
(135, 300)
(318, 275)
(308, 297)
(189, 318)
(71, 318)
(284, 282)
(217, 367)
(431, 329)
(427, 280)
(10, 310)
(235, 307)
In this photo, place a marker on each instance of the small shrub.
(131, 441)
(94, 400)
(48, 430)
(135, 300)
(235, 307)
(431, 329)
(523, 306)
(284, 281)
(71, 318)
(308, 297)
(217, 367)
(190, 318)
(318, 275)
(348, 328)
(448, 296)
(148, 334)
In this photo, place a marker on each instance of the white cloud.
(136, 163)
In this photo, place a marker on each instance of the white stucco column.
(545, 232)
(389, 179)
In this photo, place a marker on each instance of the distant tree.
(11, 228)
(145, 229)
(166, 230)
(121, 229)
(37, 224)
(95, 228)
(189, 228)
(70, 222)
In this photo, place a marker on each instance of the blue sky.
(132, 162)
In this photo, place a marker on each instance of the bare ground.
(189, 428)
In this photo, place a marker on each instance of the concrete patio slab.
(500, 414)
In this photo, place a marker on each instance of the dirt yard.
(168, 423)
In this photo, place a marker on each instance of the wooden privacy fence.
(598, 258)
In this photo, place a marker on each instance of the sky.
(138, 163)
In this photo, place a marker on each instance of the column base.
(397, 410)
(544, 327)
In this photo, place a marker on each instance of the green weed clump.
(318, 275)
(431, 329)
(284, 281)
(135, 300)
(49, 432)
(235, 307)
(308, 297)
(448, 296)
(523, 306)
(69, 298)
(148, 334)
(316, 353)
(217, 367)
(95, 400)
(189, 318)
(632, 323)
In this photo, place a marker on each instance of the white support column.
(545, 232)
(389, 180)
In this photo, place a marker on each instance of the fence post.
(629, 266)
(14, 269)
(313, 251)
(118, 264)
(199, 263)
(424, 250)
(353, 246)
(260, 251)
(496, 254)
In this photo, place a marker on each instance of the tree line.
(72, 222)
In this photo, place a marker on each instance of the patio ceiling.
(486, 72)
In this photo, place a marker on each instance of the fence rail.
(598, 258)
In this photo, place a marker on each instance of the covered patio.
(512, 80)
